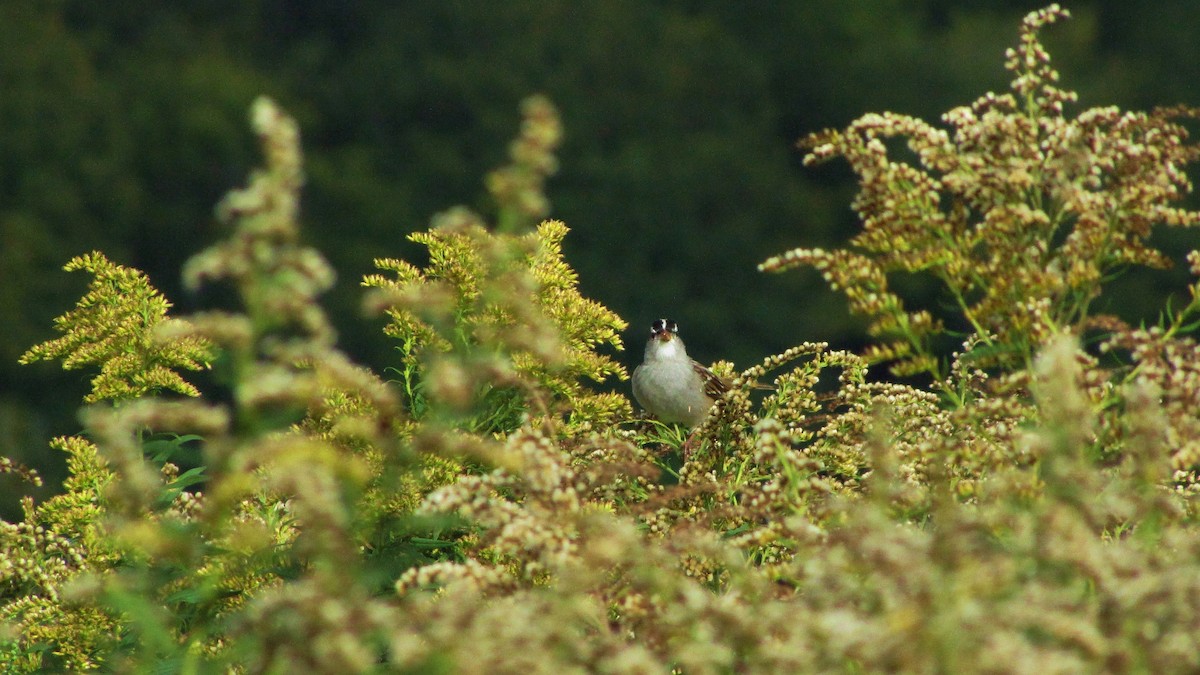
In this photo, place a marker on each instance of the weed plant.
(476, 506)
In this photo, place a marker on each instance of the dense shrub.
(482, 509)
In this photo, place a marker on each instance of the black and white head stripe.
(664, 326)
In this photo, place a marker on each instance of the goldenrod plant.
(1019, 210)
(477, 506)
(113, 326)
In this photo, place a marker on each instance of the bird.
(669, 384)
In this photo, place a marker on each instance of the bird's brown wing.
(714, 387)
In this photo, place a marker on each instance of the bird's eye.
(671, 325)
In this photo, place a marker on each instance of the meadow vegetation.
(1006, 482)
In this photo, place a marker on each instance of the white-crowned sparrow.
(669, 384)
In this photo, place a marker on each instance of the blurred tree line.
(122, 124)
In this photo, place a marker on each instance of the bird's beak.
(663, 335)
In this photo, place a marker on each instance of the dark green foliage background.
(122, 124)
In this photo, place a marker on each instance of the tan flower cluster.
(518, 187)
(278, 279)
(1018, 210)
(1171, 366)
